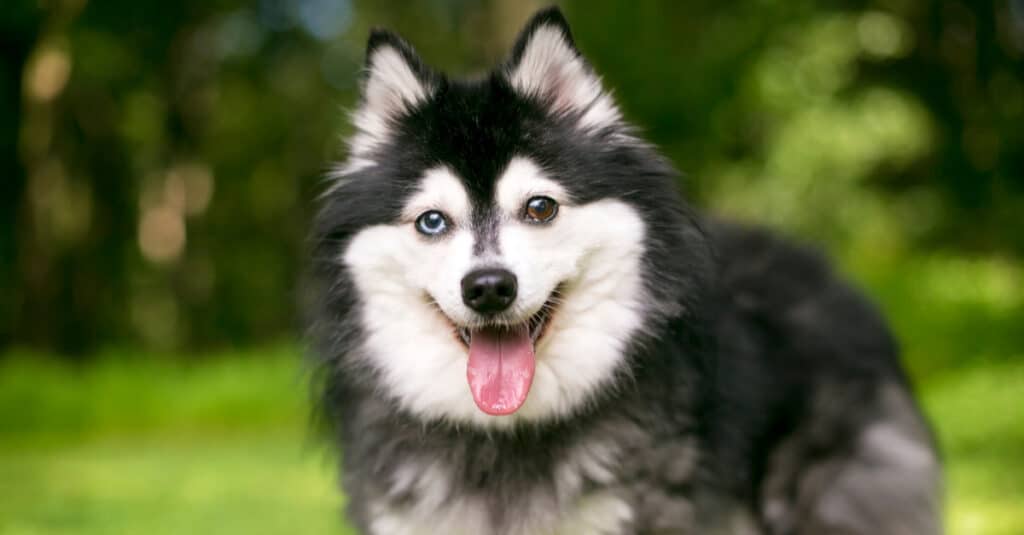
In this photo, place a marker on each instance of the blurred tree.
(18, 30)
(966, 66)
(164, 157)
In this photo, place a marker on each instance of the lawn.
(132, 445)
(151, 445)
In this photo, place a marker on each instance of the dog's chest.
(583, 496)
(597, 513)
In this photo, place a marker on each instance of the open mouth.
(502, 358)
(536, 326)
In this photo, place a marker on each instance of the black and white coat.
(695, 377)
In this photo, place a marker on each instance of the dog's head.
(497, 246)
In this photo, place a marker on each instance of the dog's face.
(496, 233)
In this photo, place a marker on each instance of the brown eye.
(541, 209)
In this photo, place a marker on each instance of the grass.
(208, 482)
(150, 445)
(977, 414)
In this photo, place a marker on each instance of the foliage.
(164, 157)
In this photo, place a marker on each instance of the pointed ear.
(395, 79)
(546, 65)
(394, 82)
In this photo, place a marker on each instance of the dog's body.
(524, 330)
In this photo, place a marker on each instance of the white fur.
(399, 273)
(391, 86)
(351, 165)
(594, 249)
(597, 514)
(572, 512)
(590, 461)
(521, 180)
(432, 512)
(895, 445)
(439, 190)
(551, 69)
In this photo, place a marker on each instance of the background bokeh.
(159, 161)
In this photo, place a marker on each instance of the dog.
(521, 327)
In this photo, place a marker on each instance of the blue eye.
(432, 223)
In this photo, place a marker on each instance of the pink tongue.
(500, 368)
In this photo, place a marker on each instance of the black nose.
(489, 291)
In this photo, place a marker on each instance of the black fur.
(756, 366)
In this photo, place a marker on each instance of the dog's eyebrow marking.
(522, 179)
(439, 189)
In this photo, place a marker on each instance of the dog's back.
(809, 377)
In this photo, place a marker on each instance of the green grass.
(978, 416)
(150, 445)
(206, 482)
(153, 446)
(124, 393)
